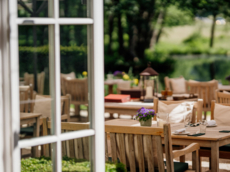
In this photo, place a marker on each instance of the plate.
(212, 126)
(184, 133)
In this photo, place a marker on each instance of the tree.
(204, 8)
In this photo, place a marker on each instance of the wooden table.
(223, 87)
(128, 108)
(212, 139)
(32, 118)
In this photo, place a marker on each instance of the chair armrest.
(190, 148)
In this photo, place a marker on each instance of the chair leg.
(210, 164)
(77, 110)
(205, 114)
(195, 161)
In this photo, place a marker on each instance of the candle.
(149, 92)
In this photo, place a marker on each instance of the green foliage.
(177, 17)
(44, 164)
(73, 58)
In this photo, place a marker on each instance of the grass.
(174, 36)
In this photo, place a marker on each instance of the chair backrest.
(70, 75)
(205, 91)
(27, 96)
(29, 79)
(136, 146)
(78, 89)
(123, 85)
(43, 106)
(197, 108)
(222, 97)
(76, 148)
(168, 83)
(213, 108)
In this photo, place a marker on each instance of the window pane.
(33, 8)
(36, 81)
(76, 148)
(75, 156)
(74, 70)
(37, 158)
(74, 8)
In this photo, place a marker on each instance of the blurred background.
(189, 38)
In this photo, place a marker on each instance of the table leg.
(215, 156)
(36, 134)
(110, 89)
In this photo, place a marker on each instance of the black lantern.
(149, 84)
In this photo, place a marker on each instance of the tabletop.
(224, 87)
(130, 104)
(29, 115)
(212, 133)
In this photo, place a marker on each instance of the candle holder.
(149, 84)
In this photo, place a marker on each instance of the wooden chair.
(29, 79)
(135, 146)
(168, 83)
(222, 97)
(205, 91)
(77, 148)
(123, 85)
(65, 109)
(224, 151)
(78, 89)
(197, 108)
(70, 75)
(65, 112)
(27, 96)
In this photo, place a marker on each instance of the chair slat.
(129, 139)
(161, 166)
(113, 146)
(148, 152)
(139, 152)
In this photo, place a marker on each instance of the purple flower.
(144, 114)
(117, 73)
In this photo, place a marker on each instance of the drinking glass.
(187, 122)
(203, 124)
(162, 118)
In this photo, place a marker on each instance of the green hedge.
(68, 164)
(73, 58)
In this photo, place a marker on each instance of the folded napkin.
(198, 134)
(224, 131)
(180, 131)
(211, 123)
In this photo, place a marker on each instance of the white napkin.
(180, 131)
(211, 123)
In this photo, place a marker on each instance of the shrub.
(44, 164)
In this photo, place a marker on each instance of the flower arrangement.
(144, 114)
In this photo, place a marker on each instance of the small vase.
(147, 123)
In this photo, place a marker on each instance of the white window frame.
(9, 80)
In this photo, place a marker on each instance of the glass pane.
(76, 148)
(33, 8)
(37, 158)
(35, 81)
(75, 156)
(74, 8)
(74, 71)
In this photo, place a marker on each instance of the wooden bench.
(136, 146)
